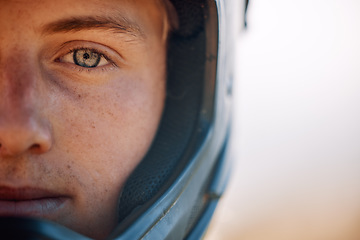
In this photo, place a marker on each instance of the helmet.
(173, 193)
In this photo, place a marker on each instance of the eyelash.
(89, 69)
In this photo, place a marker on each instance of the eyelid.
(112, 56)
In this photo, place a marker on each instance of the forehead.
(82, 5)
(147, 15)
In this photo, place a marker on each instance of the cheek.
(107, 130)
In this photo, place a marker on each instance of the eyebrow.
(119, 25)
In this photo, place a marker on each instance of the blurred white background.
(296, 136)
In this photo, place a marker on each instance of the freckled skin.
(76, 132)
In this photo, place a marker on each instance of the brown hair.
(171, 15)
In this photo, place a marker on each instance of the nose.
(29, 136)
(23, 127)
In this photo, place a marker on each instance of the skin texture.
(74, 131)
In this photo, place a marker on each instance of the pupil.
(86, 56)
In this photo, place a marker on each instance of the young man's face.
(82, 86)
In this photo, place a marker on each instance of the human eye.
(85, 57)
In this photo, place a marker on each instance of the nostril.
(37, 148)
(33, 147)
